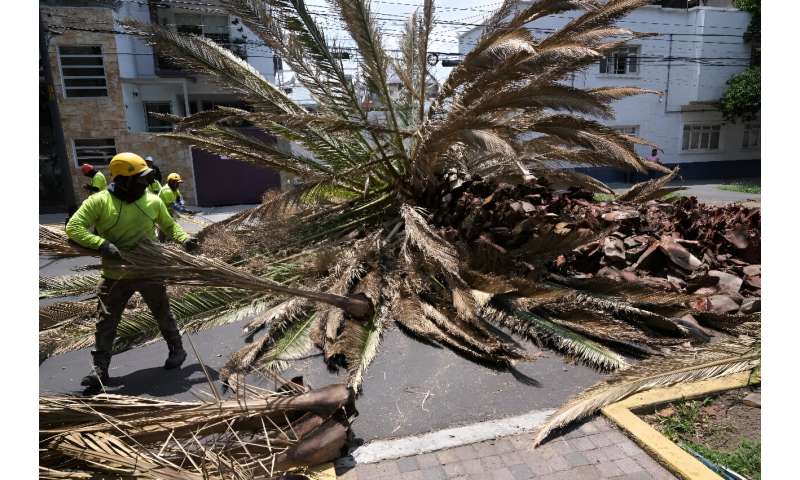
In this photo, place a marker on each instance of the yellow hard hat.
(174, 177)
(128, 164)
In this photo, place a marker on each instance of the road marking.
(380, 450)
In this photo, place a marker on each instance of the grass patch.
(687, 423)
(741, 187)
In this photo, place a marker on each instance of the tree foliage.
(743, 97)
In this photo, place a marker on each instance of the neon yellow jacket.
(123, 224)
(155, 187)
(99, 181)
(168, 195)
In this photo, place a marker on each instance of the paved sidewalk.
(596, 450)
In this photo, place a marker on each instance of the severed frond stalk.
(691, 365)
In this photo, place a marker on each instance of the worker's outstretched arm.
(81, 221)
(169, 226)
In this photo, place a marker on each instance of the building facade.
(106, 84)
(699, 46)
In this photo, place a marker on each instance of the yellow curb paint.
(655, 444)
(674, 458)
(326, 471)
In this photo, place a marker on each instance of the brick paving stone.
(502, 474)
(540, 467)
(544, 451)
(574, 433)
(464, 452)
(387, 469)
(613, 452)
(557, 463)
(521, 472)
(521, 442)
(492, 463)
(560, 446)
(504, 445)
(446, 456)
(415, 475)
(595, 456)
(583, 444)
(454, 469)
(585, 472)
(485, 449)
(601, 439)
(630, 448)
(636, 476)
(407, 464)
(628, 465)
(427, 460)
(473, 466)
(512, 458)
(618, 437)
(434, 473)
(576, 459)
(589, 428)
(608, 469)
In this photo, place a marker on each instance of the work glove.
(191, 245)
(109, 250)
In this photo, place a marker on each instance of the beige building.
(107, 82)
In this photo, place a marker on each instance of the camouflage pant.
(113, 296)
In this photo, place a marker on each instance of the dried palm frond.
(257, 437)
(714, 361)
(651, 189)
(53, 314)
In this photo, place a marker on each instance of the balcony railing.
(166, 66)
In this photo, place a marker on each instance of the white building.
(697, 51)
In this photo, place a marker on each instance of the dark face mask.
(129, 189)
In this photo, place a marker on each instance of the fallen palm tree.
(447, 219)
(259, 434)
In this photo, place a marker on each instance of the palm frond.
(715, 361)
(563, 339)
(68, 285)
(52, 315)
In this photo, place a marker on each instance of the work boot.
(96, 378)
(177, 354)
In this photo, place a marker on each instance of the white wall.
(660, 120)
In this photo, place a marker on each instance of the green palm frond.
(294, 343)
(715, 361)
(67, 286)
(561, 338)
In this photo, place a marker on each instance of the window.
(214, 27)
(154, 124)
(752, 136)
(94, 151)
(82, 71)
(621, 61)
(700, 138)
(628, 130)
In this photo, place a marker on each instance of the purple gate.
(223, 181)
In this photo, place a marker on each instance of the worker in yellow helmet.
(125, 214)
(171, 196)
(154, 177)
(98, 180)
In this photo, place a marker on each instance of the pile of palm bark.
(259, 434)
(676, 245)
